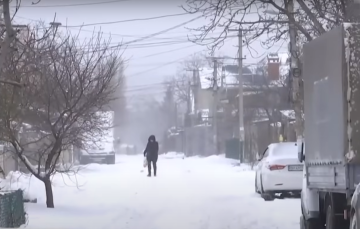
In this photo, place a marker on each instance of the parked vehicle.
(355, 207)
(279, 171)
(103, 151)
(332, 130)
(127, 149)
(101, 156)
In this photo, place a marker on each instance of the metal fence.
(12, 211)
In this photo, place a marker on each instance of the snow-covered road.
(194, 193)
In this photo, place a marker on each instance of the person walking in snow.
(151, 153)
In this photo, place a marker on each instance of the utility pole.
(295, 73)
(215, 104)
(215, 87)
(194, 71)
(176, 114)
(241, 95)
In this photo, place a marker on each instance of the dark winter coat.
(152, 149)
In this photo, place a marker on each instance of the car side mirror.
(301, 155)
(258, 158)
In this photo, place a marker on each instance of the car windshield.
(284, 150)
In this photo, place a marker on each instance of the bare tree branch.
(264, 19)
(67, 83)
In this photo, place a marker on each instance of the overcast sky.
(141, 70)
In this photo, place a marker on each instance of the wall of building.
(205, 99)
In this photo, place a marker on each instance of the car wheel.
(334, 221)
(330, 217)
(302, 222)
(313, 224)
(267, 196)
(111, 160)
(256, 188)
(261, 185)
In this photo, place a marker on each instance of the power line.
(160, 53)
(146, 37)
(109, 47)
(159, 63)
(151, 44)
(117, 34)
(185, 34)
(129, 20)
(71, 5)
(163, 65)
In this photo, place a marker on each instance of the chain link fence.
(12, 211)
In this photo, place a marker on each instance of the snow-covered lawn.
(195, 193)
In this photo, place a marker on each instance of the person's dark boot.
(149, 175)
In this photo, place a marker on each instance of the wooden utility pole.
(241, 97)
(215, 104)
(188, 102)
(241, 94)
(295, 74)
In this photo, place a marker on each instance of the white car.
(279, 171)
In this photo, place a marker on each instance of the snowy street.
(195, 193)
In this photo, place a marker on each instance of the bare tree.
(8, 37)
(68, 82)
(263, 17)
(184, 77)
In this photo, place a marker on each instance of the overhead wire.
(157, 33)
(139, 39)
(38, 5)
(109, 47)
(153, 44)
(145, 45)
(129, 20)
(117, 34)
(168, 51)
(175, 38)
(129, 43)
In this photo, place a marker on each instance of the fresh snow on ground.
(191, 193)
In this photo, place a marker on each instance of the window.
(266, 153)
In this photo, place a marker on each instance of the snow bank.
(221, 159)
(91, 167)
(172, 155)
(17, 180)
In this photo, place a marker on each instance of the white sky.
(141, 70)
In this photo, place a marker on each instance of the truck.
(103, 150)
(331, 146)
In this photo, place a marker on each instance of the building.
(266, 98)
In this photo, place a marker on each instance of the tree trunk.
(49, 193)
